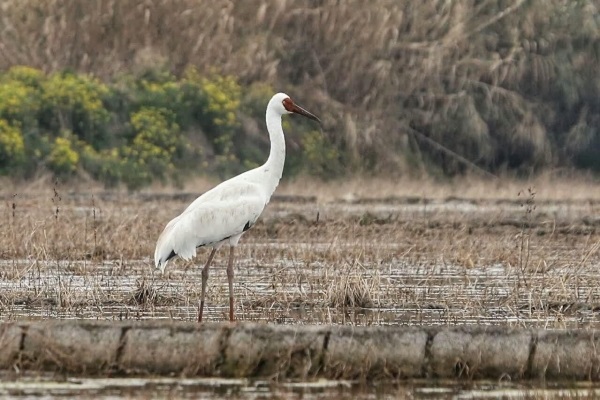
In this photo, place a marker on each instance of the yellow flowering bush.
(75, 91)
(12, 147)
(29, 76)
(107, 165)
(141, 128)
(75, 102)
(160, 94)
(155, 127)
(154, 146)
(309, 150)
(63, 159)
(219, 99)
(223, 94)
(320, 158)
(158, 90)
(18, 102)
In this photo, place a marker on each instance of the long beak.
(299, 110)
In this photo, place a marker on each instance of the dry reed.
(363, 260)
(464, 73)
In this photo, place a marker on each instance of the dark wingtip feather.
(171, 255)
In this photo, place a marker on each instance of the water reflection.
(210, 388)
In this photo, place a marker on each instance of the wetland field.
(486, 253)
(522, 254)
(365, 254)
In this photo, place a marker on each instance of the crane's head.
(283, 104)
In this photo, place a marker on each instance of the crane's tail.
(161, 261)
(164, 247)
(163, 253)
(169, 245)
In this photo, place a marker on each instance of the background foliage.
(133, 130)
(128, 92)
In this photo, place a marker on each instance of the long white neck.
(273, 168)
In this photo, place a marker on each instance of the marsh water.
(365, 263)
(212, 388)
(291, 292)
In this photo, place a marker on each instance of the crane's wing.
(213, 217)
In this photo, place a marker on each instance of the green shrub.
(29, 76)
(219, 99)
(18, 101)
(75, 102)
(153, 89)
(106, 166)
(155, 127)
(319, 157)
(63, 159)
(20, 105)
(141, 128)
(223, 94)
(12, 147)
(255, 99)
(151, 154)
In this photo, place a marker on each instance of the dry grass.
(549, 187)
(461, 253)
(489, 80)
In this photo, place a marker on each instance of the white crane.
(222, 215)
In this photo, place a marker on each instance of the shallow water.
(211, 388)
(293, 291)
(312, 276)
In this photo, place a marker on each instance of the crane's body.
(219, 216)
(222, 215)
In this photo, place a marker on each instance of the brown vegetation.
(517, 259)
(506, 84)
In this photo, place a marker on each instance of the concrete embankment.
(298, 351)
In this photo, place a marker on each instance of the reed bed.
(406, 86)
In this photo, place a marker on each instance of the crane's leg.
(204, 281)
(230, 280)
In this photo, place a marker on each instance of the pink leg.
(230, 280)
(204, 281)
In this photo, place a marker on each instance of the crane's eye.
(288, 104)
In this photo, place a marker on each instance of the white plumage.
(214, 218)
(221, 215)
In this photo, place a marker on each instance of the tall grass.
(506, 84)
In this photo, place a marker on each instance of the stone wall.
(163, 347)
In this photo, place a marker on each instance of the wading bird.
(222, 215)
